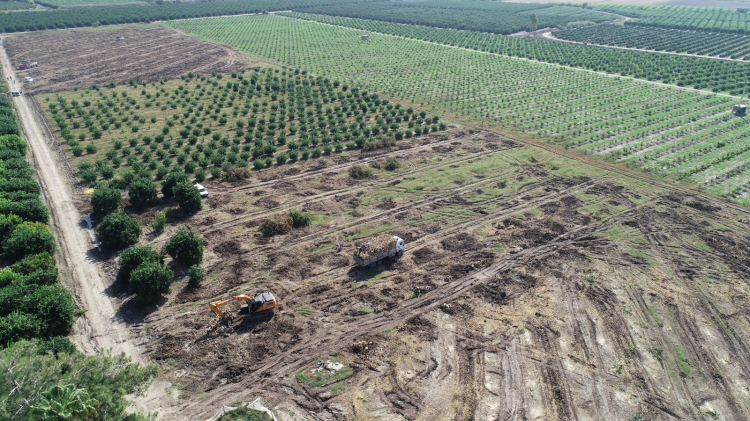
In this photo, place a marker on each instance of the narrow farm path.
(98, 328)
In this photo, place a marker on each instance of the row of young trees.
(32, 302)
(573, 107)
(494, 17)
(701, 73)
(95, 16)
(42, 375)
(717, 19)
(673, 40)
(204, 124)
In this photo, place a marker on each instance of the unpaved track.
(97, 329)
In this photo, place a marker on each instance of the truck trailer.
(376, 249)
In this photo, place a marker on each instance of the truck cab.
(399, 246)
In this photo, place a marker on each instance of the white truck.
(376, 249)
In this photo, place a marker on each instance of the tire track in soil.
(440, 235)
(348, 190)
(431, 201)
(291, 359)
(582, 328)
(558, 399)
(689, 332)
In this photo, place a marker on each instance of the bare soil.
(532, 288)
(78, 58)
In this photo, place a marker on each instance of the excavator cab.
(260, 302)
(252, 305)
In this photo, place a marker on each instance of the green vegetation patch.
(213, 124)
(322, 377)
(245, 414)
(667, 131)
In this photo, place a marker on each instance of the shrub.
(17, 326)
(391, 164)
(55, 308)
(150, 281)
(160, 221)
(185, 247)
(29, 238)
(20, 184)
(196, 274)
(142, 193)
(118, 230)
(188, 197)
(300, 219)
(134, 256)
(105, 201)
(235, 174)
(107, 172)
(172, 180)
(199, 174)
(276, 225)
(357, 172)
(29, 210)
(8, 223)
(13, 142)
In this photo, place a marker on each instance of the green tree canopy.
(188, 197)
(185, 247)
(172, 180)
(150, 281)
(37, 366)
(63, 403)
(13, 142)
(118, 230)
(142, 193)
(29, 238)
(134, 256)
(105, 200)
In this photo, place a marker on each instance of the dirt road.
(98, 328)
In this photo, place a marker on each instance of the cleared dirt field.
(78, 58)
(533, 287)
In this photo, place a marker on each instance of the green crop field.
(118, 14)
(207, 123)
(679, 17)
(68, 3)
(484, 16)
(658, 39)
(700, 73)
(16, 5)
(669, 131)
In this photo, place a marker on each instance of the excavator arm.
(216, 305)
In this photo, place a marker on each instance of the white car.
(15, 93)
(28, 79)
(202, 190)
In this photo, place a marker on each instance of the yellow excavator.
(252, 305)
